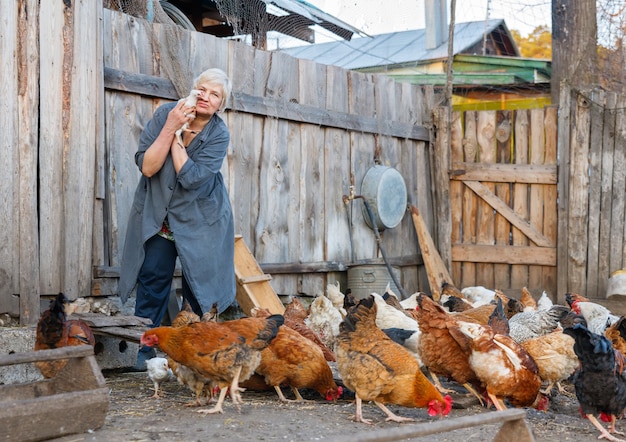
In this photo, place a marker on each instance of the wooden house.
(488, 72)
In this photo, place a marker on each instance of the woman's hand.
(179, 115)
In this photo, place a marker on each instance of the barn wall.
(302, 134)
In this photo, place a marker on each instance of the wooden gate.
(503, 199)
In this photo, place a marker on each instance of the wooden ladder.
(253, 286)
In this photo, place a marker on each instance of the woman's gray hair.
(218, 77)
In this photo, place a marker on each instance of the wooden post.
(441, 182)
(563, 190)
(435, 268)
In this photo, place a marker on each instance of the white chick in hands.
(158, 372)
(190, 101)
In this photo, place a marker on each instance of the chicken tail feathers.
(57, 306)
(364, 310)
(50, 324)
(269, 332)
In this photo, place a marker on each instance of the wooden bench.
(514, 428)
(74, 401)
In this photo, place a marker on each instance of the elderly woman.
(181, 209)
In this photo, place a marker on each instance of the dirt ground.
(134, 416)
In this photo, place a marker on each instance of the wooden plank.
(519, 427)
(46, 355)
(79, 147)
(618, 224)
(456, 189)
(470, 200)
(9, 161)
(485, 223)
(256, 295)
(364, 151)
(519, 273)
(523, 225)
(126, 115)
(409, 431)
(563, 188)
(536, 208)
(435, 267)
(606, 196)
(255, 278)
(337, 160)
(99, 320)
(27, 160)
(505, 173)
(550, 219)
(579, 199)
(502, 229)
(269, 107)
(296, 267)
(595, 177)
(55, 61)
(392, 155)
(273, 236)
(130, 334)
(540, 256)
(312, 177)
(414, 168)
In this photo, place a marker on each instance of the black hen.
(600, 381)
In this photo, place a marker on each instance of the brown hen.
(377, 369)
(295, 361)
(505, 369)
(225, 352)
(439, 351)
(295, 315)
(200, 385)
(54, 330)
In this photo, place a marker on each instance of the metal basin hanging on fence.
(384, 190)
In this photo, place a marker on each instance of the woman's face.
(210, 100)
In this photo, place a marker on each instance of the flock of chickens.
(502, 350)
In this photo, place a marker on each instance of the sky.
(379, 17)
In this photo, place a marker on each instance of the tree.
(538, 44)
(574, 44)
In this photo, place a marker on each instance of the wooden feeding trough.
(76, 400)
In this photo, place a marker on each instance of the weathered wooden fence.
(502, 176)
(302, 134)
(592, 190)
(79, 82)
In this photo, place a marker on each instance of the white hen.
(333, 293)
(597, 316)
(410, 302)
(478, 295)
(158, 372)
(324, 319)
(544, 302)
